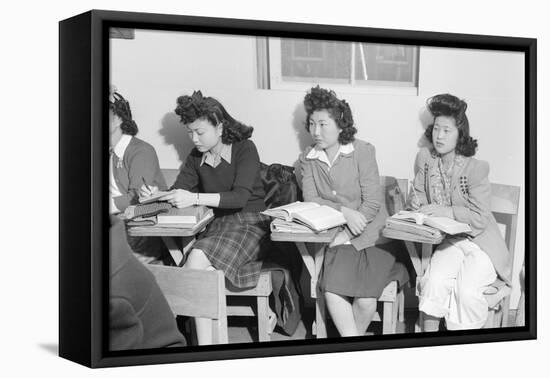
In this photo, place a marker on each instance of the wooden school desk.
(169, 236)
(420, 259)
(313, 260)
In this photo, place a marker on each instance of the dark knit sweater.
(239, 183)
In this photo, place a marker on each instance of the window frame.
(273, 70)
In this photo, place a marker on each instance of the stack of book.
(419, 227)
(304, 217)
(171, 217)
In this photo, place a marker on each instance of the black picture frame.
(83, 229)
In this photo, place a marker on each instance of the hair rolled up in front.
(121, 108)
(197, 106)
(325, 99)
(448, 105)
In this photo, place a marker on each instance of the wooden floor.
(243, 330)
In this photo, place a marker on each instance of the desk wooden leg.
(176, 253)
(313, 265)
(426, 256)
(320, 306)
(309, 262)
(320, 326)
(419, 321)
(415, 259)
(420, 262)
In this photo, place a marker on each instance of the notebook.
(154, 197)
(316, 217)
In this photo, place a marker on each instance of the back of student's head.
(121, 109)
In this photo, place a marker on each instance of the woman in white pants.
(449, 182)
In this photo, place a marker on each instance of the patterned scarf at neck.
(440, 179)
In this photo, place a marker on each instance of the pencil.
(145, 182)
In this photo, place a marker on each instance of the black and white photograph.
(311, 188)
(265, 189)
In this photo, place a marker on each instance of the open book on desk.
(447, 225)
(316, 217)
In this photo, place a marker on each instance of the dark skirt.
(233, 244)
(363, 274)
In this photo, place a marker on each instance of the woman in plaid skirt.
(222, 172)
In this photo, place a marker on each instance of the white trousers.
(453, 285)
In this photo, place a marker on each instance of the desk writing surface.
(160, 231)
(324, 237)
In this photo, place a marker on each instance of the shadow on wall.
(175, 134)
(302, 135)
(426, 119)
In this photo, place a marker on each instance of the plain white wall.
(156, 67)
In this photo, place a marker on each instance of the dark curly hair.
(325, 99)
(121, 108)
(196, 106)
(451, 106)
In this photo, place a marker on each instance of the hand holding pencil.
(147, 190)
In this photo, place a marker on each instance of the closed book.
(188, 226)
(413, 228)
(188, 215)
(408, 236)
(279, 225)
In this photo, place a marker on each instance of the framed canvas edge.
(93, 252)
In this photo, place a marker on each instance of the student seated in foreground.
(450, 183)
(139, 316)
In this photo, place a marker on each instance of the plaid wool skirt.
(233, 244)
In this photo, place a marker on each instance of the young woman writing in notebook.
(449, 182)
(222, 172)
(340, 171)
(132, 161)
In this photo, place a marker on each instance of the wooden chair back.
(505, 205)
(195, 293)
(395, 192)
